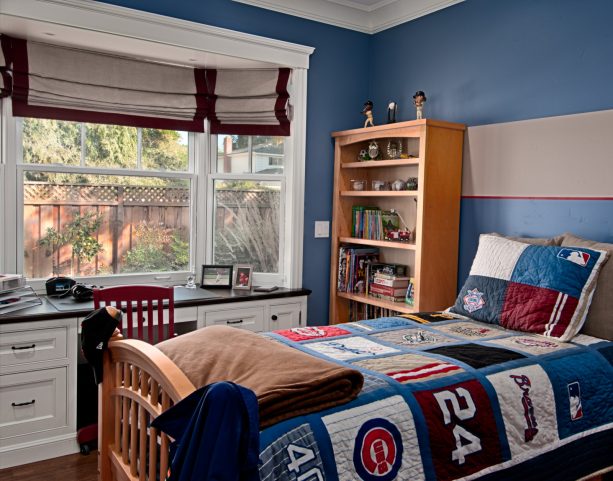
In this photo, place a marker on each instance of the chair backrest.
(143, 302)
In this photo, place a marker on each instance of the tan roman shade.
(65, 83)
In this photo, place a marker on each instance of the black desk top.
(183, 298)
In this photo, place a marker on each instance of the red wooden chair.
(143, 302)
(147, 303)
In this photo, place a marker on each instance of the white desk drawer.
(22, 347)
(32, 402)
(251, 318)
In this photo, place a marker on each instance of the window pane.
(233, 154)
(51, 142)
(85, 225)
(268, 154)
(247, 223)
(111, 146)
(164, 150)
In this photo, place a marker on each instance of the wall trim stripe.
(518, 197)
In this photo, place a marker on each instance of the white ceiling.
(368, 16)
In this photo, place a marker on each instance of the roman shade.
(66, 83)
(242, 99)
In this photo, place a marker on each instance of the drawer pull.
(23, 347)
(274, 317)
(15, 405)
(234, 322)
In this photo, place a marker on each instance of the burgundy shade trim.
(22, 109)
(281, 104)
(282, 130)
(21, 80)
(201, 92)
(211, 98)
(5, 45)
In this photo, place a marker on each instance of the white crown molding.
(353, 15)
(135, 26)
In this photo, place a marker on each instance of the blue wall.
(483, 62)
(337, 88)
(480, 62)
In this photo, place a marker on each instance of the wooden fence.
(122, 209)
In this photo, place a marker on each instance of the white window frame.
(138, 33)
(12, 182)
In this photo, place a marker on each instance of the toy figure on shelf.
(367, 111)
(392, 108)
(418, 99)
(402, 234)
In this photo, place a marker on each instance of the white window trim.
(137, 31)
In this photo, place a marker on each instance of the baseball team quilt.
(447, 398)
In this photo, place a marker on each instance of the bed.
(445, 397)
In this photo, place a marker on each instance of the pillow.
(599, 321)
(540, 241)
(539, 289)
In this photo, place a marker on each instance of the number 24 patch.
(461, 428)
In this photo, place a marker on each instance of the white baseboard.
(31, 452)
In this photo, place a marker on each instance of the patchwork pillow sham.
(539, 289)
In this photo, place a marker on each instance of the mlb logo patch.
(574, 255)
(473, 300)
(574, 398)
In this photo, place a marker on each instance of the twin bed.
(445, 397)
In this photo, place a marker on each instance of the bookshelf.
(432, 211)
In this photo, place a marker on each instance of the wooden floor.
(75, 467)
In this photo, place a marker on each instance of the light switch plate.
(322, 228)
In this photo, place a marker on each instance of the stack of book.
(388, 282)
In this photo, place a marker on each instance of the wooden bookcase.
(433, 210)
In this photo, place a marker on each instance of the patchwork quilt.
(447, 398)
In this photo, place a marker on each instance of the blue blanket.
(447, 398)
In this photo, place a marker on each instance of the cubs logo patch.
(576, 256)
(473, 300)
(377, 453)
(574, 398)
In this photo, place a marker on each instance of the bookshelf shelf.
(379, 193)
(379, 243)
(373, 301)
(432, 211)
(379, 163)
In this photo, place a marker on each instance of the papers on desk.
(18, 299)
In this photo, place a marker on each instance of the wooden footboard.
(139, 383)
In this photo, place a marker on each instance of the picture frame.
(216, 277)
(243, 276)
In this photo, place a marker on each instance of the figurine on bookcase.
(367, 111)
(419, 99)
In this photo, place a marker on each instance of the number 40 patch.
(299, 456)
(461, 428)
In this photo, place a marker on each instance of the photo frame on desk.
(243, 276)
(216, 277)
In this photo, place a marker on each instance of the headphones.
(83, 292)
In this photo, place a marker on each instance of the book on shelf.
(409, 298)
(388, 291)
(359, 311)
(383, 297)
(352, 268)
(397, 282)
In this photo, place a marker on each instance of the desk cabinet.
(37, 390)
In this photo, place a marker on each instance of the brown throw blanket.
(286, 381)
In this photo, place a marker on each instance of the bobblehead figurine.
(367, 111)
(392, 108)
(418, 99)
